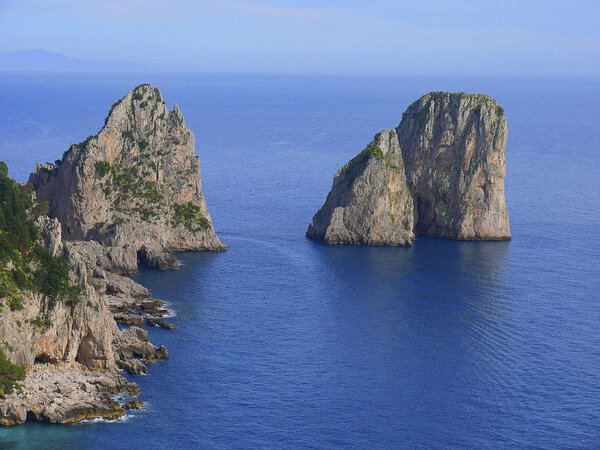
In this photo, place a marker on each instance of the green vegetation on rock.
(10, 374)
(356, 166)
(25, 265)
(133, 194)
(128, 135)
(189, 215)
(102, 168)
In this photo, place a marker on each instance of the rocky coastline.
(129, 195)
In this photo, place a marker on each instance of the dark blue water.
(282, 342)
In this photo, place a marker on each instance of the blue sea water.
(283, 342)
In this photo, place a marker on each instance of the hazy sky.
(352, 36)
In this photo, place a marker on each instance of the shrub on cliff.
(34, 268)
(10, 374)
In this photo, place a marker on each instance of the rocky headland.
(127, 195)
(439, 173)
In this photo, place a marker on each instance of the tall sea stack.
(439, 173)
(135, 183)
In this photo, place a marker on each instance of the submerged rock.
(439, 173)
(133, 404)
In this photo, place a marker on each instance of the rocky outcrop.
(158, 322)
(72, 349)
(135, 185)
(369, 202)
(132, 343)
(157, 259)
(130, 193)
(439, 173)
(80, 331)
(121, 259)
(59, 395)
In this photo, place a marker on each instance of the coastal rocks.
(154, 258)
(122, 259)
(154, 308)
(129, 194)
(68, 332)
(129, 319)
(136, 183)
(439, 173)
(133, 343)
(65, 395)
(68, 345)
(158, 322)
(133, 404)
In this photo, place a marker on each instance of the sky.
(311, 36)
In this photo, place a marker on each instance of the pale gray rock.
(69, 349)
(368, 202)
(439, 173)
(135, 183)
(51, 232)
(121, 259)
(65, 395)
(453, 149)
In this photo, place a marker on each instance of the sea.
(283, 342)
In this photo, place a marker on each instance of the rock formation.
(130, 193)
(135, 185)
(72, 349)
(369, 202)
(439, 173)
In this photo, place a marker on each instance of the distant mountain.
(43, 60)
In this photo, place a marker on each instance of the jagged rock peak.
(136, 182)
(441, 172)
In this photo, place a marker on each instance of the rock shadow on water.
(444, 274)
(434, 315)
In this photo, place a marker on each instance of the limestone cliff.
(132, 191)
(71, 347)
(135, 184)
(66, 332)
(67, 344)
(448, 152)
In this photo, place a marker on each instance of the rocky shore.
(126, 196)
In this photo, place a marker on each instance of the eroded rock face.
(368, 202)
(73, 351)
(136, 183)
(453, 149)
(439, 173)
(65, 395)
(80, 332)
